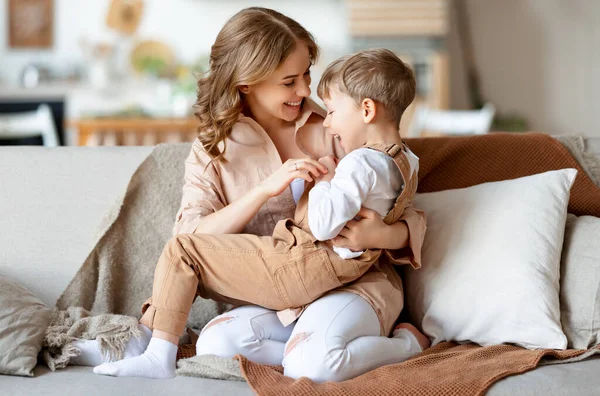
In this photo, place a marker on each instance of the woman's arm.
(204, 209)
(395, 237)
(234, 217)
(203, 206)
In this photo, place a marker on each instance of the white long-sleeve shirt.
(364, 177)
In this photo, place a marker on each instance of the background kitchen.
(122, 72)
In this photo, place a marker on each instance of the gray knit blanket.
(111, 331)
(117, 275)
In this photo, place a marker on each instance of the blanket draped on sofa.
(111, 331)
(117, 275)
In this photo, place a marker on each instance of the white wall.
(188, 26)
(539, 58)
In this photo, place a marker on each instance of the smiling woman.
(258, 124)
(284, 52)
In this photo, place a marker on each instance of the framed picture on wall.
(30, 23)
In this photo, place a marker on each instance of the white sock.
(157, 362)
(91, 355)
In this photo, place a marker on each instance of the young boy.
(365, 95)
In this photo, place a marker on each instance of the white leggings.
(335, 339)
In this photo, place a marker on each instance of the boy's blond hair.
(377, 74)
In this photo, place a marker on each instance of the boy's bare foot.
(422, 339)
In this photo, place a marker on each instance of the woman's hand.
(290, 170)
(370, 232)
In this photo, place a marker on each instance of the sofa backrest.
(52, 201)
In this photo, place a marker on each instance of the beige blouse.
(251, 158)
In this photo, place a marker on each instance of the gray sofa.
(51, 203)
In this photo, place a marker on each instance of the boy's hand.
(331, 163)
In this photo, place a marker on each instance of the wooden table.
(134, 131)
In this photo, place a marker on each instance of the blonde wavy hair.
(247, 50)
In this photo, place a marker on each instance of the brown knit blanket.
(445, 369)
(458, 162)
(449, 368)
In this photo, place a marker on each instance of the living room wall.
(188, 26)
(538, 58)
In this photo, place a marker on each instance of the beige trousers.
(288, 270)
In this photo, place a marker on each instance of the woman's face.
(281, 94)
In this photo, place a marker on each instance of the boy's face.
(345, 120)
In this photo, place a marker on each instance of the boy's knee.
(174, 245)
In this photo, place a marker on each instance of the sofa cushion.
(491, 259)
(580, 282)
(23, 321)
(78, 380)
(556, 380)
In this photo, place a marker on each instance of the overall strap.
(410, 181)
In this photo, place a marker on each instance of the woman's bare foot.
(422, 339)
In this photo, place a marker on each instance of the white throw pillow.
(491, 261)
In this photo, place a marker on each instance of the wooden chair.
(30, 124)
(134, 131)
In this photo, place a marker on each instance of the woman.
(259, 136)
